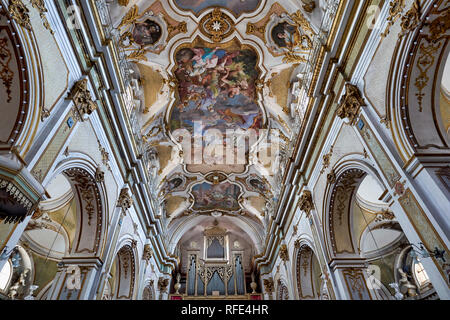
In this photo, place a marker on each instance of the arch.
(338, 208)
(178, 230)
(90, 212)
(306, 267)
(91, 205)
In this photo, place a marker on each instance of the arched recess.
(418, 102)
(282, 290)
(307, 272)
(69, 224)
(125, 273)
(342, 247)
(20, 90)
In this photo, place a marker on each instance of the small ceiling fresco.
(237, 7)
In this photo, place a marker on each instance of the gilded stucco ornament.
(125, 200)
(217, 25)
(411, 19)
(289, 35)
(148, 253)
(284, 253)
(6, 74)
(149, 32)
(350, 104)
(268, 285)
(82, 99)
(40, 6)
(99, 176)
(163, 283)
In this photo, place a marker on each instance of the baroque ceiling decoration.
(216, 95)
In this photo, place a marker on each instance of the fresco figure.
(287, 36)
(223, 196)
(146, 33)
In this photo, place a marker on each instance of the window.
(5, 275)
(420, 274)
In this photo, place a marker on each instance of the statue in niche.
(406, 287)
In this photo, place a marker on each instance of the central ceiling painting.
(236, 6)
(216, 90)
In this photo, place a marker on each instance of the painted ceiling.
(215, 85)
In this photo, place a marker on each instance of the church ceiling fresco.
(221, 65)
(217, 88)
(237, 7)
